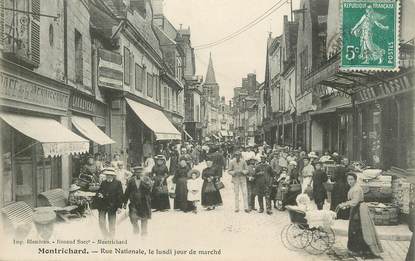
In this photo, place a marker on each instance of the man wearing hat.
(238, 169)
(138, 192)
(263, 183)
(319, 192)
(250, 182)
(109, 200)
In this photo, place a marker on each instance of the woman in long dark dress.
(362, 236)
(180, 179)
(160, 196)
(340, 188)
(211, 197)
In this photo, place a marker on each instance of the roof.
(100, 20)
(210, 74)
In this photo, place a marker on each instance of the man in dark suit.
(138, 192)
(109, 200)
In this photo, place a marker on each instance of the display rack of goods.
(401, 194)
(384, 214)
(378, 189)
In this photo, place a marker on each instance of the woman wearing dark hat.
(362, 236)
(160, 196)
(210, 194)
(138, 192)
(180, 179)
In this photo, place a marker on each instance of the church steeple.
(210, 74)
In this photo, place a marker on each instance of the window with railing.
(20, 31)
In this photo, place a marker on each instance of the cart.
(299, 235)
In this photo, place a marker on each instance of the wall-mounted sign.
(384, 89)
(82, 103)
(110, 69)
(21, 90)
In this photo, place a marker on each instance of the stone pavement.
(239, 236)
(393, 250)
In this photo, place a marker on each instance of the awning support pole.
(26, 148)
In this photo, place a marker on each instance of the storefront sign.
(110, 70)
(21, 90)
(384, 89)
(82, 104)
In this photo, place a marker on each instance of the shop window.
(79, 60)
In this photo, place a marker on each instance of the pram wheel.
(296, 236)
(320, 240)
(279, 205)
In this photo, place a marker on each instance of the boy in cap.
(138, 192)
(109, 196)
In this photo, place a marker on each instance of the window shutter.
(35, 33)
(1, 24)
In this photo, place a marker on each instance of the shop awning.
(55, 138)
(331, 109)
(88, 128)
(156, 121)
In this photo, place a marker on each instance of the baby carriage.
(300, 235)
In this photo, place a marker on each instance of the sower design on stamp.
(370, 32)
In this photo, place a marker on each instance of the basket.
(385, 214)
(328, 186)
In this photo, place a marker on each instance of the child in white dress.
(194, 187)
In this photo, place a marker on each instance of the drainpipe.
(65, 40)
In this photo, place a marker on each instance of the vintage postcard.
(223, 130)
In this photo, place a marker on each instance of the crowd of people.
(267, 177)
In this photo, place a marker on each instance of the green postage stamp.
(370, 35)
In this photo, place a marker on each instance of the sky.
(211, 20)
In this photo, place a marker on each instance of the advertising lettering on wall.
(21, 90)
(385, 89)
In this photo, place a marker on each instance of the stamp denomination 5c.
(370, 35)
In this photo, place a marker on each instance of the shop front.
(36, 140)
(136, 127)
(90, 120)
(385, 122)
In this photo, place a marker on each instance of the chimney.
(157, 7)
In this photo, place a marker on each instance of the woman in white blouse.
(362, 236)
